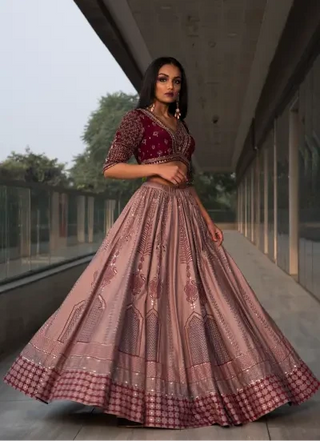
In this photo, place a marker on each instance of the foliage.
(86, 172)
(216, 190)
(31, 167)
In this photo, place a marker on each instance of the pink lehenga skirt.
(163, 329)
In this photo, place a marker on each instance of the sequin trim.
(155, 410)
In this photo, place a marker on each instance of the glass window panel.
(282, 141)
(3, 232)
(261, 226)
(270, 196)
(309, 181)
(42, 226)
(249, 203)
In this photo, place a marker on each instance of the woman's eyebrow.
(161, 73)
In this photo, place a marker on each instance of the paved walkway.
(295, 311)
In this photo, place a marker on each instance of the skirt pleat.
(163, 329)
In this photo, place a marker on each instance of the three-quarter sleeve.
(127, 138)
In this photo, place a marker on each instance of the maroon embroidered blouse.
(143, 135)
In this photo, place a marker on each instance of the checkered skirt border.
(163, 411)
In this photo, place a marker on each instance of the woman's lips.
(169, 94)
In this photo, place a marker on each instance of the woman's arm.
(130, 171)
(173, 173)
(215, 232)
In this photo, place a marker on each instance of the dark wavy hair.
(147, 93)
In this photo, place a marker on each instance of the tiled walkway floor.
(295, 311)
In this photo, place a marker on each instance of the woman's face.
(168, 84)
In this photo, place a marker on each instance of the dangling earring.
(177, 113)
(151, 108)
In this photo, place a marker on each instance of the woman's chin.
(167, 100)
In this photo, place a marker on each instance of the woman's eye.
(178, 81)
(162, 79)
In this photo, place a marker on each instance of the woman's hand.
(216, 233)
(173, 173)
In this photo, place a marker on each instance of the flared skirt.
(163, 329)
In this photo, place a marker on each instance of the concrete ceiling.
(226, 47)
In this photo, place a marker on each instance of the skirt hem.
(164, 411)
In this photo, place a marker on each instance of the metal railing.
(42, 226)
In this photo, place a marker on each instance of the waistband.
(167, 188)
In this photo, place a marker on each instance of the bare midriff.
(164, 181)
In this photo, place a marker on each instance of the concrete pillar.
(239, 208)
(257, 200)
(294, 192)
(242, 207)
(54, 219)
(81, 213)
(275, 194)
(252, 202)
(110, 206)
(246, 206)
(90, 218)
(266, 197)
(63, 220)
(25, 223)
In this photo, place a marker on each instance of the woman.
(161, 328)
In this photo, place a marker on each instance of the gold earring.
(151, 108)
(177, 113)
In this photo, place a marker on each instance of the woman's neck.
(162, 109)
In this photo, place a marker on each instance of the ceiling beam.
(274, 20)
(102, 21)
(297, 50)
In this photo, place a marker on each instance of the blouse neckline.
(161, 123)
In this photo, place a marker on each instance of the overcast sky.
(53, 71)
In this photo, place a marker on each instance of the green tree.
(31, 167)
(86, 172)
(216, 190)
